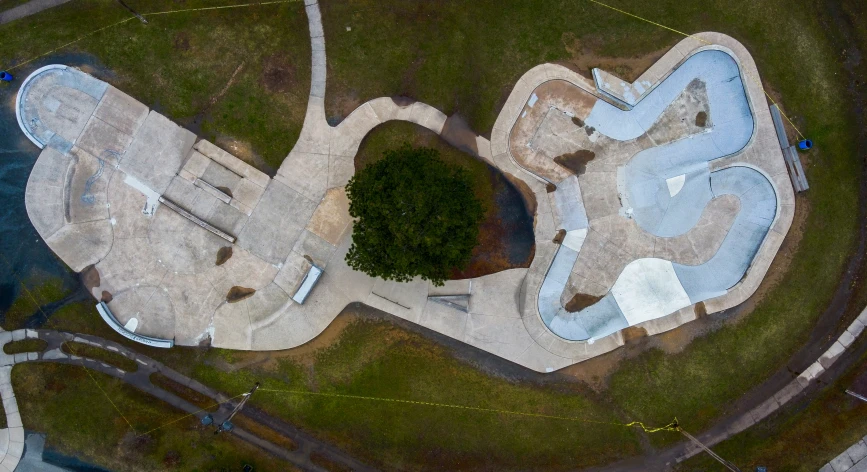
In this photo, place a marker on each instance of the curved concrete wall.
(666, 190)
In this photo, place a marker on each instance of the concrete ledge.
(21, 95)
(195, 219)
(109, 318)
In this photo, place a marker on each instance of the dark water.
(55, 458)
(23, 254)
(515, 219)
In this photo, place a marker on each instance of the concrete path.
(124, 193)
(30, 8)
(12, 439)
(853, 459)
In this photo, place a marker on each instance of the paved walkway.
(853, 459)
(30, 8)
(12, 438)
(102, 195)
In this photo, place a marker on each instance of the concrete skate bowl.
(665, 189)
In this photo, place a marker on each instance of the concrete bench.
(109, 318)
(307, 284)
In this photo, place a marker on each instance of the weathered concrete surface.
(161, 268)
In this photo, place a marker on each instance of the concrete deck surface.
(93, 196)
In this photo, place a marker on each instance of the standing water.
(24, 256)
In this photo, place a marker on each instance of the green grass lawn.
(799, 442)
(63, 402)
(180, 63)
(380, 360)
(465, 57)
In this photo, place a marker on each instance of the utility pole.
(227, 424)
(135, 13)
(728, 465)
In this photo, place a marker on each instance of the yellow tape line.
(673, 426)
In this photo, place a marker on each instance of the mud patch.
(181, 41)
(581, 301)
(576, 161)
(633, 333)
(236, 294)
(701, 119)
(457, 132)
(402, 101)
(90, 277)
(700, 310)
(106, 297)
(584, 58)
(278, 74)
(224, 254)
(506, 238)
(561, 235)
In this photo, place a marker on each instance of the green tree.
(415, 216)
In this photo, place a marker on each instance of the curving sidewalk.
(12, 438)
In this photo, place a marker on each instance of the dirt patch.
(576, 161)
(561, 235)
(328, 464)
(584, 58)
(304, 354)
(90, 277)
(700, 310)
(506, 238)
(581, 301)
(633, 333)
(224, 254)
(278, 74)
(265, 432)
(236, 294)
(701, 119)
(402, 101)
(181, 41)
(106, 297)
(457, 132)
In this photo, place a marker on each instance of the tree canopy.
(415, 215)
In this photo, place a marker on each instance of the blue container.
(5, 76)
(805, 144)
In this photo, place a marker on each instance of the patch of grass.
(380, 360)
(202, 401)
(63, 402)
(35, 293)
(25, 345)
(264, 432)
(327, 464)
(97, 353)
(833, 421)
(179, 64)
